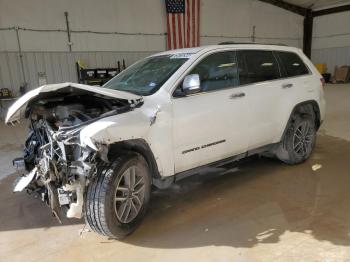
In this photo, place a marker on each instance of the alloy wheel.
(302, 139)
(129, 195)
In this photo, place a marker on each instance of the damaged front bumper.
(61, 175)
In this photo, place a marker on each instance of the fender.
(109, 130)
(138, 146)
(300, 108)
(128, 131)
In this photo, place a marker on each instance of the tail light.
(323, 82)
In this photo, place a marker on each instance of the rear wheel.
(299, 140)
(118, 198)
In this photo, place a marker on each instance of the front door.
(211, 125)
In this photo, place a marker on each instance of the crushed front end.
(62, 166)
(57, 166)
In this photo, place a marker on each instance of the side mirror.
(191, 84)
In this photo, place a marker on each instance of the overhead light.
(267, 64)
(227, 65)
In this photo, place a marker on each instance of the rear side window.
(292, 64)
(257, 66)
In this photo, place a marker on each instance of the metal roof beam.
(332, 10)
(287, 6)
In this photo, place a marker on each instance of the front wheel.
(299, 140)
(118, 198)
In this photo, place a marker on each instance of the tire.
(299, 140)
(119, 189)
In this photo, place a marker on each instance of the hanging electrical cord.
(249, 37)
(133, 34)
(225, 36)
(7, 28)
(116, 33)
(80, 31)
(332, 35)
(279, 38)
(156, 34)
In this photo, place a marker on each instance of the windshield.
(147, 76)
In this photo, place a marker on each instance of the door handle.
(285, 86)
(237, 95)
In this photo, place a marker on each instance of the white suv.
(96, 151)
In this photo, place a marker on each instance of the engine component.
(64, 197)
(59, 166)
(76, 209)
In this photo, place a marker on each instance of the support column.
(308, 25)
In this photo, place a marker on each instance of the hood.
(18, 108)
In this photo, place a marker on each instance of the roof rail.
(249, 43)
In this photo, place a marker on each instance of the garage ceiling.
(317, 4)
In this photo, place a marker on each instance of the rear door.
(260, 76)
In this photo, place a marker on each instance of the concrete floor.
(261, 210)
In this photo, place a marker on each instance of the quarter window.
(256, 66)
(292, 64)
(217, 71)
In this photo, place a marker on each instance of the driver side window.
(216, 71)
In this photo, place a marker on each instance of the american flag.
(182, 23)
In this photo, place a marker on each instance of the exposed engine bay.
(59, 166)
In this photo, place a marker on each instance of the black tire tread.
(95, 198)
(283, 152)
(97, 210)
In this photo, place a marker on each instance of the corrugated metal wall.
(57, 66)
(107, 31)
(331, 40)
(333, 57)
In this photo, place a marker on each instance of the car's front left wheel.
(117, 199)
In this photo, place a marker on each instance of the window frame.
(283, 67)
(274, 57)
(199, 59)
(195, 64)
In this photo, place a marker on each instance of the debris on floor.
(84, 230)
(316, 167)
